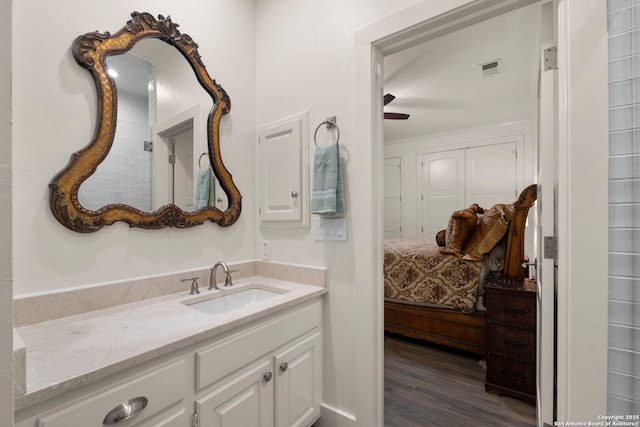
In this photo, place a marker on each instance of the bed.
(436, 296)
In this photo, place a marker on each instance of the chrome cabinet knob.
(267, 377)
(294, 194)
(284, 366)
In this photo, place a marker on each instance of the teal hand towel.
(327, 196)
(205, 190)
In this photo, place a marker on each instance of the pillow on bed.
(461, 226)
(440, 238)
(492, 225)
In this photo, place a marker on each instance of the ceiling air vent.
(489, 68)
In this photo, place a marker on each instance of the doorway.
(394, 46)
(176, 143)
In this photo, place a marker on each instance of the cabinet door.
(299, 383)
(392, 198)
(244, 399)
(442, 185)
(282, 172)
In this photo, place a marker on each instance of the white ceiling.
(441, 84)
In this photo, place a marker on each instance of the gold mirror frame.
(91, 51)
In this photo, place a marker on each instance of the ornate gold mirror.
(89, 192)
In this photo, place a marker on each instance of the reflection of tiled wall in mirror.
(125, 175)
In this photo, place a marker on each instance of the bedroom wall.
(54, 114)
(409, 150)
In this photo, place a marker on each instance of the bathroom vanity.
(168, 362)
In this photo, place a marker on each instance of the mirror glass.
(155, 158)
(150, 164)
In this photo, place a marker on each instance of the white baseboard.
(334, 417)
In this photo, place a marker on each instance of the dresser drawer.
(511, 374)
(514, 310)
(518, 343)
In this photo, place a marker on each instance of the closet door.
(442, 183)
(491, 174)
(392, 198)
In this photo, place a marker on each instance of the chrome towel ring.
(200, 159)
(330, 123)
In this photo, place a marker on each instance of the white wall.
(6, 232)
(54, 114)
(410, 150)
(306, 62)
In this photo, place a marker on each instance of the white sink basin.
(244, 299)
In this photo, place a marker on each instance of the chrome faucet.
(194, 285)
(227, 272)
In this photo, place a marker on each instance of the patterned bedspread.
(416, 272)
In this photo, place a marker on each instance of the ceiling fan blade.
(388, 98)
(396, 116)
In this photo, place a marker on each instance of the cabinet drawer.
(511, 341)
(162, 388)
(515, 311)
(512, 374)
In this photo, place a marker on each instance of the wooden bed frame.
(452, 327)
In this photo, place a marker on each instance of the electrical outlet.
(266, 250)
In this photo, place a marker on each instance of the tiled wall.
(624, 208)
(125, 175)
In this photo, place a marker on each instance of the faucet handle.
(194, 285)
(228, 281)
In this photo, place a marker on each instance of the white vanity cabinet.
(282, 387)
(265, 373)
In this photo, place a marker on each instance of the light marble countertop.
(66, 353)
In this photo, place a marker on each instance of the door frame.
(578, 186)
(161, 135)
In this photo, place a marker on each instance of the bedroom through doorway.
(462, 127)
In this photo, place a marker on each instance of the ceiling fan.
(393, 116)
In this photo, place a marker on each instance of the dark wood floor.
(428, 385)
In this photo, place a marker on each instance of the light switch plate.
(330, 229)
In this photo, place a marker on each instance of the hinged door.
(392, 198)
(298, 383)
(283, 173)
(245, 399)
(442, 184)
(491, 174)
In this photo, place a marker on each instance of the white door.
(546, 210)
(245, 399)
(442, 190)
(392, 198)
(491, 174)
(280, 172)
(183, 181)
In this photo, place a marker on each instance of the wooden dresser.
(511, 337)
